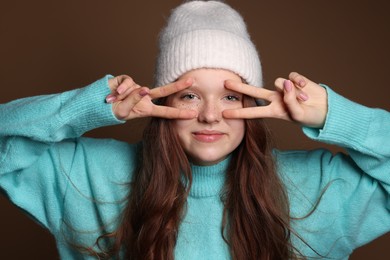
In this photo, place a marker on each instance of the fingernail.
(110, 99)
(303, 96)
(302, 83)
(143, 93)
(120, 89)
(189, 81)
(287, 85)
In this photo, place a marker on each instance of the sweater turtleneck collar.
(208, 181)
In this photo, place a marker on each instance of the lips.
(207, 136)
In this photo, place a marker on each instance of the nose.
(209, 112)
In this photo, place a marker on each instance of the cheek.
(175, 101)
(238, 127)
(186, 105)
(181, 126)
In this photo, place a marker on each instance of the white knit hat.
(206, 34)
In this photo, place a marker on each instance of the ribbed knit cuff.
(346, 124)
(85, 109)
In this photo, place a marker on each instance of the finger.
(114, 97)
(114, 82)
(111, 98)
(122, 108)
(249, 90)
(298, 80)
(128, 91)
(121, 87)
(279, 84)
(290, 99)
(171, 88)
(300, 94)
(248, 113)
(173, 113)
(123, 83)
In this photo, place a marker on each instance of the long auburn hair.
(256, 210)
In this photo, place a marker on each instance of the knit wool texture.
(206, 34)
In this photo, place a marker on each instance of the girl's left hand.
(295, 99)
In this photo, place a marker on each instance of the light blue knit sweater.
(74, 185)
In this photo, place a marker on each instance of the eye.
(232, 98)
(188, 96)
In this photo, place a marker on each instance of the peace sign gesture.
(295, 99)
(130, 100)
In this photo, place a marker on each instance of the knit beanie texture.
(206, 34)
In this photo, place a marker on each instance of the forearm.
(363, 131)
(30, 125)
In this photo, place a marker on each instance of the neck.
(208, 180)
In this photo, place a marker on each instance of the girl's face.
(209, 138)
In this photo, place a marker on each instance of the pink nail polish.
(143, 93)
(303, 96)
(120, 89)
(302, 83)
(110, 99)
(287, 85)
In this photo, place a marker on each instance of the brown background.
(52, 46)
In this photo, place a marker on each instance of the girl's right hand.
(130, 100)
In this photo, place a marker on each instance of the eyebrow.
(195, 87)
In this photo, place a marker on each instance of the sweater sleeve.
(364, 132)
(349, 193)
(32, 132)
